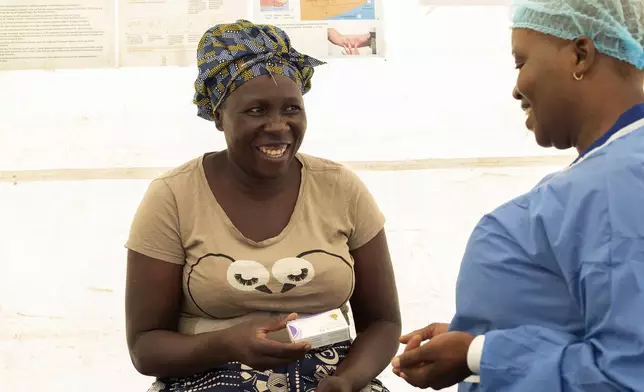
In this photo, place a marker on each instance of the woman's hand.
(359, 40)
(250, 345)
(335, 37)
(426, 333)
(437, 364)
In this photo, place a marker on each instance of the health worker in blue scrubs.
(550, 295)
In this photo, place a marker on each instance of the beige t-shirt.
(228, 278)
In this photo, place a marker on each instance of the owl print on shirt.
(244, 280)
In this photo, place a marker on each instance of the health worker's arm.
(598, 237)
(609, 358)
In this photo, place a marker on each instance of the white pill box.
(320, 330)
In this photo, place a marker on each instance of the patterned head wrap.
(230, 55)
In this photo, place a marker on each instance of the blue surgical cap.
(615, 26)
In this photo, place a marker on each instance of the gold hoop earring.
(577, 77)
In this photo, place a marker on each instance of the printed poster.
(55, 34)
(167, 32)
(328, 28)
(456, 3)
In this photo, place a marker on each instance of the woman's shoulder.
(317, 164)
(188, 168)
(325, 170)
(173, 182)
(333, 182)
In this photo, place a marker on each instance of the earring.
(577, 77)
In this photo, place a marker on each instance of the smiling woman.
(226, 248)
(264, 123)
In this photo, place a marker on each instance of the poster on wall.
(167, 32)
(456, 3)
(327, 28)
(56, 34)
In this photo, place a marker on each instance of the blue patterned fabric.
(229, 55)
(301, 376)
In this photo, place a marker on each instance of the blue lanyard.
(632, 115)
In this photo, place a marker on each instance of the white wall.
(444, 91)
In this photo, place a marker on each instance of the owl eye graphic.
(248, 275)
(304, 273)
(292, 272)
(250, 282)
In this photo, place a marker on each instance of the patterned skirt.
(301, 376)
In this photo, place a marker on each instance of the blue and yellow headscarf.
(229, 55)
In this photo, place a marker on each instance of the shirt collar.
(627, 118)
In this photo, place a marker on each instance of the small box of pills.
(320, 330)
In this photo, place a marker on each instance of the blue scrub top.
(555, 277)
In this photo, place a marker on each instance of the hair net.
(615, 26)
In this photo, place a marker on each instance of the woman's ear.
(586, 54)
(218, 120)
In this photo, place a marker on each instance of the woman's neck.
(600, 117)
(259, 189)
